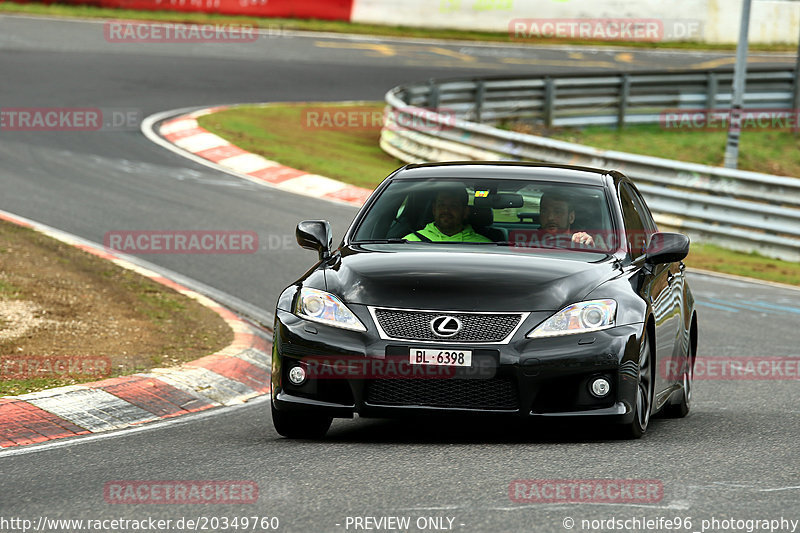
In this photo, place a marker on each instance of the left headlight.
(582, 317)
(324, 307)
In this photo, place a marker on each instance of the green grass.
(158, 306)
(13, 387)
(769, 151)
(154, 325)
(280, 132)
(287, 134)
(8, 291)
(63, 10)
(752, 265)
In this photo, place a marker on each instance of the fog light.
(297, 375)
(600, 387)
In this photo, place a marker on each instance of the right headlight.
(325, 308)
(582, 317)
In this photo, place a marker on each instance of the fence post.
(712, 87)
(796, 94)
(480, 94)
(433, 95)
(549, 101)
(624, 92)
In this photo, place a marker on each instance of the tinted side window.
(636, 218)
(642, 209)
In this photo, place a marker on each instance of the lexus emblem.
(446, 326)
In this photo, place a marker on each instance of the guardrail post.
(549, 101)
(624, 92)
(712, 87)
(796, 94)
(433, 95)
(480, 94)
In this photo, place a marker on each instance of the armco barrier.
(602, 98)
(737, 209)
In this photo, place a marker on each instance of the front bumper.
(352, 372)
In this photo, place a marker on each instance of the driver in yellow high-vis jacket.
(450, 212)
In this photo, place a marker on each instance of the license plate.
(423, 356)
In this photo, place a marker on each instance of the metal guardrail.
(601, 98)
(438, 121)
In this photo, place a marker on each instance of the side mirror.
(315, 235)
(667, 248)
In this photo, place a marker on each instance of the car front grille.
(416, 325)
(484, 394)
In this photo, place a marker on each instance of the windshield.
(519, 214)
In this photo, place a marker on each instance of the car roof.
(504, 170)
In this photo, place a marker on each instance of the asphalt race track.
(734, 457)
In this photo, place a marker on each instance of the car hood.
(453, 279)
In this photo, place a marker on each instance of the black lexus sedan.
(488, 288)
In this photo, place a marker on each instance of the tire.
(644, 393)
(300, 425)
(681, 407)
